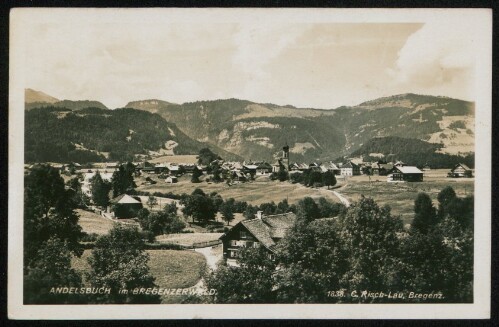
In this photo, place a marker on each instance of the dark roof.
(269, 228)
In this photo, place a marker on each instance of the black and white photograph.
(249, 163)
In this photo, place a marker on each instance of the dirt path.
(343, 200)
(211, 257)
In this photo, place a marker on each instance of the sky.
(117, 57)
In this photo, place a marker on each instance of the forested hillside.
(322, 134)
(410, 151)
(94, 134)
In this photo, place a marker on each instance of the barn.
(405, 174)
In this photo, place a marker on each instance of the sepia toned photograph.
(290, 163)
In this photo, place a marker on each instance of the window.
(243, 234)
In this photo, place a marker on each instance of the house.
(145, 167)
(314, 166)
(174, 170)
(238, 177)
(399, 164)
(161, 168)
(263, 169)
(349, 169)
(405, 174)
(86, 184)
(249, 169)
(330, 166)
(263, 230)
(381, 168)
(299, 167)
(189, 168)
(125, 206)
(171, 179)
(460, 170)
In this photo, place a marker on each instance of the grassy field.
(91, 222)
(188, 239)
(259, 191)
(401, 196)
(187, 158)
(172, 269)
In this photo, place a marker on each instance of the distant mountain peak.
(31, 96)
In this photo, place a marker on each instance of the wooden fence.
(205, 244)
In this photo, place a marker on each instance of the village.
(166, 180)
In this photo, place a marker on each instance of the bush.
(92, 237)
(163, 246)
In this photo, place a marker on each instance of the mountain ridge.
(258, 131)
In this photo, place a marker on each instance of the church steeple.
(285, 154)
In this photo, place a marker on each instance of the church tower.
(285, 155)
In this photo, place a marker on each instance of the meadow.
(255, 192)
(170, 268)
(400, 196)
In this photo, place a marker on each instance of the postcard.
(249, 163)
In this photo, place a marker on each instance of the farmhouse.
(330, 166)
(381, 169)
(301, 167)
(460, 170)
(249, 169)
(238, 177)
(125, 206)
(350, 169)
(263, 169)
(263, 230)
(405, 173)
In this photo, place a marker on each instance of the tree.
(312, 261)
(268, 208)
(227, 210)
(444, 198)
(119, 262)
(307, 210)
(329, 209)
(100, 190)
(370, 238)
(251, 282)
(315, 178)
(250, 212)
(206, 156)
(196, 173)
(122, 180)
(49, 212)
(199, 206)
(152, 201)
(328, 179)
(282, 207)
(52, 269)
(165, 221)
(425, 216)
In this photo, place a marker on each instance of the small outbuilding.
(171, 180)
(460, 170)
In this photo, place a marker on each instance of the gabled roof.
(125, 199)
(269, 229)
(408, 170)
(461, 165)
